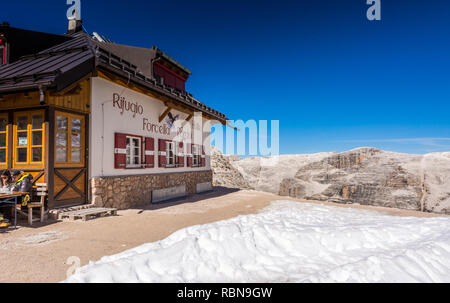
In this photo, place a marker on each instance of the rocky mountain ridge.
(367, 176)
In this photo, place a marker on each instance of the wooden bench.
(41, 192)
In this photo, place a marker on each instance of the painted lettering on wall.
(155, 128)
(124, 105)
(147, 125)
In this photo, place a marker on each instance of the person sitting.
(6, 181)
(22, 183)
(6, 187)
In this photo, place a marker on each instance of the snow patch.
(289, 242)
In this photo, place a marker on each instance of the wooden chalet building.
(98, 121)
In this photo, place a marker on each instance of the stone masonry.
(124, 192)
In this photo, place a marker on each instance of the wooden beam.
(165, 113)
(73, 89)
(233, 127)
(179, 108)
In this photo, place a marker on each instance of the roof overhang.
(165, 94)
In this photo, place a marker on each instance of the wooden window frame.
(140, 145)
(29, 131)
(175, 158)
(69, 133)
(6, 148)
(196, 155)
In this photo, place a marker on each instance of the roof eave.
(17, 88)
(165, 92)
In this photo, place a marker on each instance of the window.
(69, 139)
(2, 52)
(196, 155)
(171, 159)
(3, 139)
(28, 138)
(169, 77)
(134, 152)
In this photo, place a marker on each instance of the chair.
(42, 192)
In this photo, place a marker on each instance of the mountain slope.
(366, 176)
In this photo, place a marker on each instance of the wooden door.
(70, 161)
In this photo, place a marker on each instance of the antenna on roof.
(101, 38)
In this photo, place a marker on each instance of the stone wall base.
(124, 192)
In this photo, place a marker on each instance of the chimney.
(75, 26)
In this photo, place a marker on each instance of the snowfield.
(289, 242)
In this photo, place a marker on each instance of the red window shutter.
(170, 80)
(162, 152)
(203, 156)
(149, 152)
(120, 151)
(158, 70)
(189, 155)
(180, 84)
(180, 154)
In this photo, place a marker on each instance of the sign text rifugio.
(124, 105)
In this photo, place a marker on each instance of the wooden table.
(11, 199)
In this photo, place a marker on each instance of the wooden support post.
(50, 155)
(30, 216)
(10, 143)
(165, 113)
(42, 208)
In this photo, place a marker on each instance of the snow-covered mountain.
(365, 175)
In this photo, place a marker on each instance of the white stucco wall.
(106, 119)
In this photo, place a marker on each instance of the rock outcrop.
(367, 176)
(224, 174)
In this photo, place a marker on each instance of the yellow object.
(25, 200)
(20, 179)
(5, 224)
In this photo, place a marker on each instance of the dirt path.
(40, 254)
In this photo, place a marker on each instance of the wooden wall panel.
(59, 184)
(69, 173)
(75, 99)
(69, 194)
(20, 100)
(81, 183)
(68, 191)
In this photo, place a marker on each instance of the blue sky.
(333, 79)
